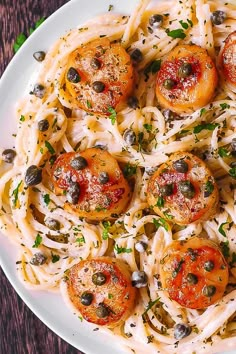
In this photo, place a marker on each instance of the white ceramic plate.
(49, 307)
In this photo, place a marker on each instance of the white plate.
(49, 307)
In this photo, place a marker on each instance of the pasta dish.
(120, 190)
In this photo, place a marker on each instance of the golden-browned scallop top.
(228, 59)
(99, 76)
(93, 183)
(183, 190)
(101, 290)
(187, 79)
(194, 272)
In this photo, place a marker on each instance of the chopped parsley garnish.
(129, 170)
(105, 232)
(15, 193)
(168, 216)
(110, 8)
(232, 172)
(152, 68)
(205, 126)
(89, 105)
(225, 248)
(38, 241)
(148, 127)
(202, 111)
(122, 249)
(177, 33)
(221, 228)
(150, 305)
(223, 152)
(224, 106)
(233, 260)
(80, 239)
(22, 118)
(55, 258)
(160, 223)
(49, 147)
(184, 24)
(112, 115)
(21, 38)
(209, 187)
(46, 199)
(160, 202)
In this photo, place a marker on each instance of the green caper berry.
(180, 166)
(86, 299)
(169, 84)
(52, 224)
(103, 177)
(98, 86)
(192, 278)
(38, 259)
(95, 63)
(208, 266)
(43, 125)
(33, 175)
(102, 311)
(209, 290)
(99, 278)
(187, 189)
(185, 70)
(79, 163)
(39, 56)
(167, 190)
(8, 155)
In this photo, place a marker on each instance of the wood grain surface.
(21, 332)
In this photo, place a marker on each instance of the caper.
(136, 55)
(52, 224)
(170, 115)
(129, 137)
(98, 86)
(156, 20)
(141, 246)
(73, 193)
(39, 56)
(38, 259)
(209, 290)
(232, 164)
(95, 63)
(8, 155)
(43, 125)
(132, 102)
(38, 91)
(73, 75)
(218, 17)
(102, 311)
(192, 278)
(167, 189)
(99, 278)
(180, 166)
(79, 163)
(33, 175)
(139, 279)
(185, 70)
(103, 177)
(86, 298)
(169, 84)
(233, 147)
(209, 266)
(181, 331)
(187, 189)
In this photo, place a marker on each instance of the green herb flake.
(160, 223)
(80, 240)
(184, 24)
(190, 22)
(202, 111)
(233, 260)
(224, 106)
(152, 68)
(209, 187)
(120, 250)
(177, 33)
(49, 147)
(221, 228)
(89, 104)
(38, 241)
(110, 8)
(232, 172)
(223, 152)
(22, 118)
(205, 126)
(46, 199)
(55, 258)
(15, 194)
(129, 170)
(110, 296)
(20, 40)
(160, 202)
(225, 248)
(112, 115)
(150, 305)
(148, 127)
(105, 232)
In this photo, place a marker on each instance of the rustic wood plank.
(21, 332)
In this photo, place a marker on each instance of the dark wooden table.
(21, 332)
